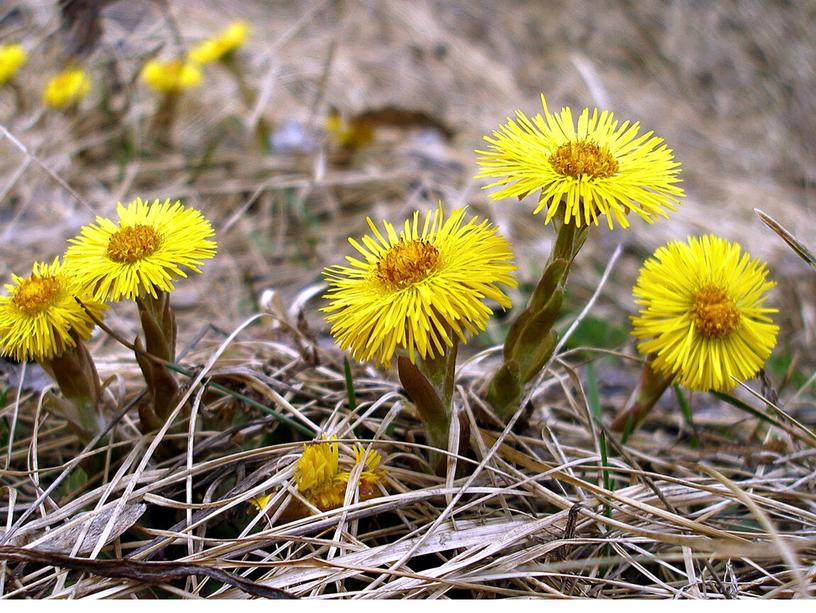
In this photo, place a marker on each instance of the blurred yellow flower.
(218, 47)
(169, 77)
(418, 288)
(12, 58)
(39, 317)
(347, 134)
(149, 246)
(600, 167)
(67, 88)
(702, 313)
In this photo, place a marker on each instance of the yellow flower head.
(39, 317)
(416, 289)
(348, 134)
(141, 254)
(218, 47)
(319, 479)
(170, 77)
(318, 476)
(372, 473)
(67, 89)
(701, 311)
(600, 167)
(12, 58)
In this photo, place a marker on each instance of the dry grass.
(724, 508)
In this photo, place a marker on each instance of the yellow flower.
(67, 88)
(170, 77)
(149, 246)
(701, 311)
(12, 58)
(348, 134)
(217, 47)
(260, 501)
(599, 168)
(39, 314)
(318, 476)
(319, 479)
(371, 474)
(418, 288)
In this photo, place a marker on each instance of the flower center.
(132, 243)
(583, 159)
(36, 294)
(406, 263)
(715, 312)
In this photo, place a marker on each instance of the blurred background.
(416, 84)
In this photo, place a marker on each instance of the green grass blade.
(352, 397)
(595, 407)
(686, 409)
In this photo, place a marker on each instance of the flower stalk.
(531, 339)
(74, 372)
(429, 383)
(160, 130)
(159, 327)
(645, 396)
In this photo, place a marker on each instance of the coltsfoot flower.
(39, 317)
(599, 167)
(216, 48)
(418, 288)
(702, 313)
(319, 479)
(67, 88)
(12, 58)
(371, 474)
(142, 253)
(170, 77)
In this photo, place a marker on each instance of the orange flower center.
(133, 243)
(406, 263)
(36, 294)
(715, 312)
(583, 159)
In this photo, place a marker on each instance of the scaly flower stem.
(429, 383)
(19, 96)
(531, 339)
(75, 373)
(649, 390)
(160, 132)
(159, 326)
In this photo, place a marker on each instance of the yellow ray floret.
(218, 47)
(597, 167)
(39, 317)
(319, 479)
(170, 77)
(418, 289)
(12, 58)
(67, 88)
(702, 313)
(149, 246)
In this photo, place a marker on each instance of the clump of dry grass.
(730, 516)
(551, 506)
